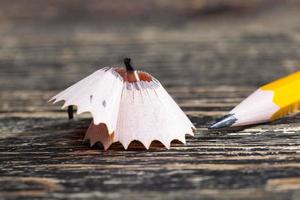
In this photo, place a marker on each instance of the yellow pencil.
(267, 103)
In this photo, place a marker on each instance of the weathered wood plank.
(45, 156)
(209, 62)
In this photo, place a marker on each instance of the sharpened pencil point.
(128, 65)
(224, 122)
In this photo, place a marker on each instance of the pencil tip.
(127, 62)
(226, 121)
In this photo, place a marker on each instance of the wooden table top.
(208, 65)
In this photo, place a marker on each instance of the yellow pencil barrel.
(286, 94)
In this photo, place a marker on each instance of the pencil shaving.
(127, 105)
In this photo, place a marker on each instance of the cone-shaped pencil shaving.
(127, 105)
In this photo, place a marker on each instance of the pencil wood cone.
(268, 103)
(127, 105)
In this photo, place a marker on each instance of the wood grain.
(208, 63)
(42, 155)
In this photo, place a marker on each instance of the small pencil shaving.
(127, 105)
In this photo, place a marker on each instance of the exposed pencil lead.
(70, 112)
(128, 64)
(224, 122)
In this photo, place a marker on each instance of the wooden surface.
(208, 63)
